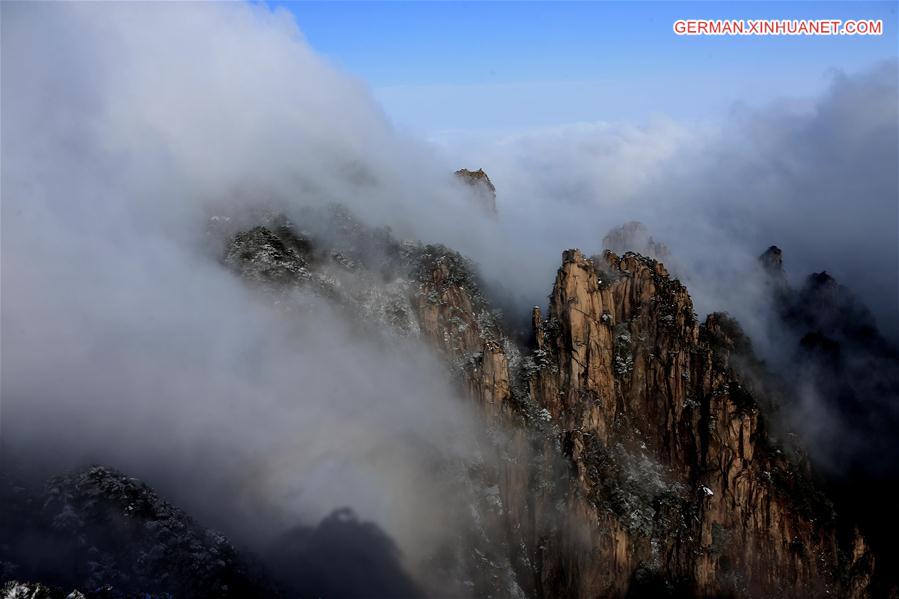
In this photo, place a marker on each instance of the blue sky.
(501, 66)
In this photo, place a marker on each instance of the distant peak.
(633, 236)
(822, 279)
(482, 185)
(772, 261)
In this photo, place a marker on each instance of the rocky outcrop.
(772, 261)
(270, 256)
(454, 316)
(774, 275)
(639, 378)
(483, 188)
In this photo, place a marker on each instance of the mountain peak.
(772, 261)
(483, 186)
(634, 236)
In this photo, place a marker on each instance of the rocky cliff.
(676, 486)
(640, 381)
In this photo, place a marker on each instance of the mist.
(815, 176)
(127, 342)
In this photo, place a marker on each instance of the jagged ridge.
(675, 483)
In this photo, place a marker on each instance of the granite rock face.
(640, 380)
